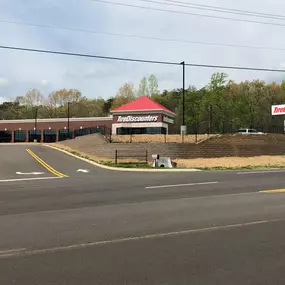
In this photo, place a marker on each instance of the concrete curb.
(120, 168)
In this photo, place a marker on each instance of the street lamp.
(36, 117)
(183, 127)
(68, 119)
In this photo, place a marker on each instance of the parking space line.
(181, 185)
(28, 179)
(45, 165)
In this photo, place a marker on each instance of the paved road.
(61, 226)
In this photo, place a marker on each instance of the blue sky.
(20, 71)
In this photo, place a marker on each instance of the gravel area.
(266, 161)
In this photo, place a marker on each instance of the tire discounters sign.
(137, 119)
(278, 110)
(168, 120)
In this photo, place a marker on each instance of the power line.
(89, 55)
(140, 37)
(226, 9)
(188, 13)
(140, 60)
(217, 9)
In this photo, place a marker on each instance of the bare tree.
(125, 94)
(31, 98)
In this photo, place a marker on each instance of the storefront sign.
(133, 119)
(168, 120)
(278, 110)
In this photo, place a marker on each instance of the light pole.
(210, 118)
(36, 118)
(68, 119)
(183, 127)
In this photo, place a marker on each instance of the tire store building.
(141, 116)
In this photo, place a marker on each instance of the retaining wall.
(221, 146)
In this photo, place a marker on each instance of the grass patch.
(109, 163)
(248, 167)
(75, 153)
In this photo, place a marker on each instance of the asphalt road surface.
(64, 221)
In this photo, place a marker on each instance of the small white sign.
(183, 130)
(133, 119)
(168, 120)
(278, 110)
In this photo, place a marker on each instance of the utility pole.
(183, 127)
(68, 119)
(210, 118)
(36, 118)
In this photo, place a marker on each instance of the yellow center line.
(273, 191)
(44, 164)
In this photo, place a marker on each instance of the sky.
(22, 71)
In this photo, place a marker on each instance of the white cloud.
(4, 99)
(96, 77)
(3, 81)
(44, 82)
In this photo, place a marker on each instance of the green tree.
(143, 87)
(152, 85)
(108, 106)
(87, 108)
(215, 100)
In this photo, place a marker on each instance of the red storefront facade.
(142, 116)
(51, 130)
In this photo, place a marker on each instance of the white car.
(249, 132)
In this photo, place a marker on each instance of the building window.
(100, 130)
(141, 131)
(64, 134)
(82, 132)
(20, 136)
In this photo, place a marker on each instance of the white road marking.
(83, 170)
(260, 172)
(9, 251)
(31, 173)
(29, 179)
(135, 238)
(181, 185)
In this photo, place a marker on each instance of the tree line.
(221, 106)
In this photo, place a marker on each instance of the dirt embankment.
(218, 152)
(232, 162)
(225, 162)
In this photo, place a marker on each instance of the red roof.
(143, 103)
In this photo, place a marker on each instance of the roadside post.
(155, 158)
(183, 128)
(183, 132)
